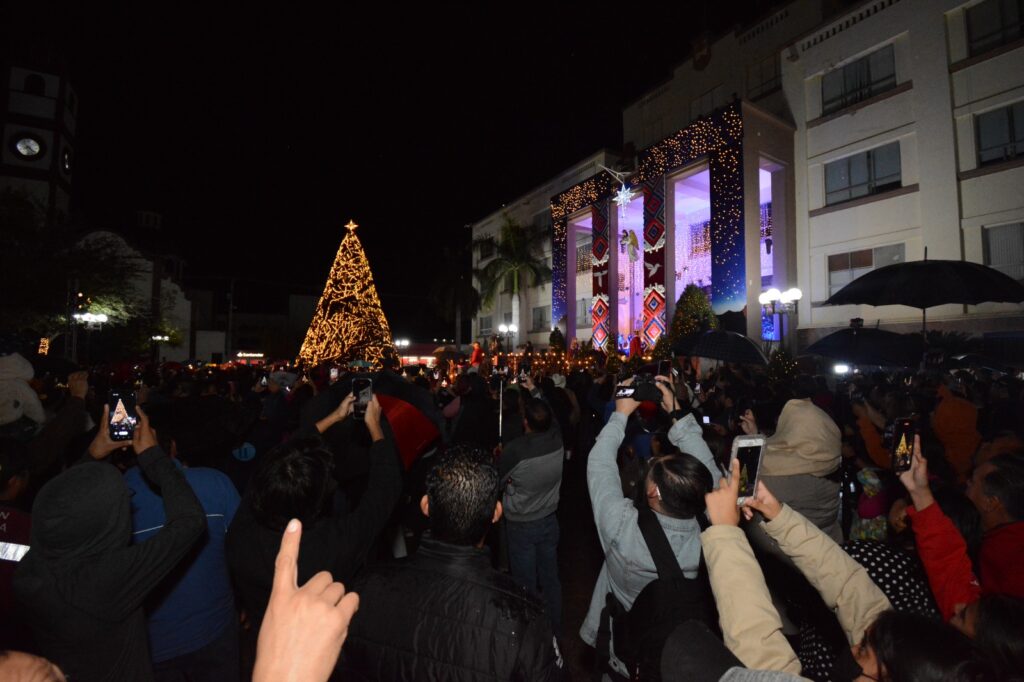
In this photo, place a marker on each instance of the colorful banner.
(654, 260)
(602, 332)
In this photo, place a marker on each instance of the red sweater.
(1002, 560)
(944, 555)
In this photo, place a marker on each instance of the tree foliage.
(42, 272)
(693, 314)
(516, 258)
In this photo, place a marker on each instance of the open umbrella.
(718, 344)
(927, 283)
(861, 346)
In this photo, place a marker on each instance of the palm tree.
(452, 292)
(516, 261)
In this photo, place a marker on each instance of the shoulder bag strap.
(657, 543)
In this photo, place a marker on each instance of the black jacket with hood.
(83, 584)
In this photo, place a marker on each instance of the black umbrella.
(718, 344)
(927, 283)
(861, 346)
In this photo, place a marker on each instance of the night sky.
(259, 133)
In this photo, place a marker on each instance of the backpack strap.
(657, 542)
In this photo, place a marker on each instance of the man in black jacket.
(445, 614)
(82, 582)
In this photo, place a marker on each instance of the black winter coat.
(445, 614)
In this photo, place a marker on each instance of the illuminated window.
(1004, 249)
(843, 268)
(871, 172)
(993, 23)
(1000, 134)
(864, 78)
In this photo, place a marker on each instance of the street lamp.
(779, 305)
(507, 331)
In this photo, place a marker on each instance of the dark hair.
(538, 415)
(683, 481)
(295, 481)
(462, 490)
(915, 648)
(804, 386)
(1006, 483)
(1000, 634)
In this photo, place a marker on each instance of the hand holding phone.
(903, 434)
(748, 450)
(362, 389)
(121, 415)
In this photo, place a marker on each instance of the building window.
(763, 77)
(34, 85)
(487, 248)
(507, 318)
(541, 319)
(485, 325)
(855, 82)
(708, 102)
(1004, 249)
(872, 172)
(1000, 134)
(993, 23)
(843, 268)
(584, 318)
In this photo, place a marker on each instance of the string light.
(348, 323)
(44, 346)
(719, 138)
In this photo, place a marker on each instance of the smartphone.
(123, 416)
(664, 368)
(903, 432)
(334, 373)
(624, 391)
(707, 420)
(749, 450)
(263, 381)
(362, 389)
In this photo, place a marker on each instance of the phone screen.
(750, 460)
(362, 389)
(624, 392)
(903, 443)
(334, 373)
(664, 367)
(707, 420)
(123, 417)
(263, 381)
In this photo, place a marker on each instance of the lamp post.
(780, 305)
(507, 331)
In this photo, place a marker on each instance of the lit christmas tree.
(348, 323)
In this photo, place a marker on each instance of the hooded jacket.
(83, 583)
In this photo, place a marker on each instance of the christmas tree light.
(348, 323)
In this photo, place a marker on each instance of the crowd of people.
(290, 523)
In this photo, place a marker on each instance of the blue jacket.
(195, 602)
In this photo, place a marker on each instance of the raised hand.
(372, 419)
(626, 406)
(102, 445)
(915, 479)
(722, 507)
(304, 627)
(763, 501)
(144, 437)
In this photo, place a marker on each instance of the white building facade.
(909, 120)
(532, 210)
